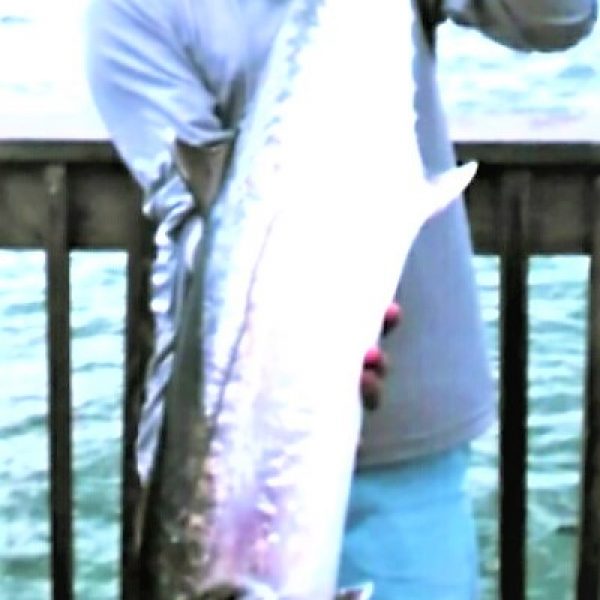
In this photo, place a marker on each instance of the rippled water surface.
(41, 87)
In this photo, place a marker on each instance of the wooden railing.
(528, 199)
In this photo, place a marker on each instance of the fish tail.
(359, 592)
(246, 590)
(252, 590)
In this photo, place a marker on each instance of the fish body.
(301, 254)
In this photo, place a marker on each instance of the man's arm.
(543, 25)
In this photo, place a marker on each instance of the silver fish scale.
(256, 459)
(227, 345)
(240, 203)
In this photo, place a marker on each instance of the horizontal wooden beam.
(528, 153)
(525, 152)
(558, 222)
(103, 198)
(103, 203)
(56, 151)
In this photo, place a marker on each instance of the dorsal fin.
(447, 186)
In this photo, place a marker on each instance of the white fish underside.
(302, 254)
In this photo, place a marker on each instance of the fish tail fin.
(441, 190)
(359, 592)
(248, 589)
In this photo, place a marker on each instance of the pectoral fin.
(446, 187)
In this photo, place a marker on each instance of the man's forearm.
(523, 24)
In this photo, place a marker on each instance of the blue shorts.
(411, 531)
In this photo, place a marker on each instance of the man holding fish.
(173, 80)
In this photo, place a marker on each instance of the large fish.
(300, 256)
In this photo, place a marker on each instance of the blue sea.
(490, 92)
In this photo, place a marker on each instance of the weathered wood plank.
(23, 198)
(99, 198)
(530, 153)
(57, 151)
(558, 219)
(483, 210)
(588, 577)
(557, 209)
(515, 196)
(100, 190)
(101, 202)
(59, 363)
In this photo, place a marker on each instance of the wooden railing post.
(588, 578)
(138, 342)
(514, 196)
(59, 375)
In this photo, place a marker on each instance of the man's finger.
(391, 318)
(377, 361)
(371, 389)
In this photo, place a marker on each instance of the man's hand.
(376, 364)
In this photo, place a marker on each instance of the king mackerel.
(261, 428)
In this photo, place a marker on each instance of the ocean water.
(42, 92)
